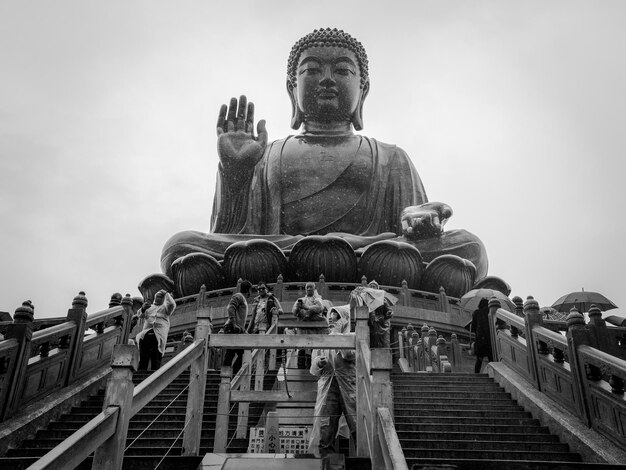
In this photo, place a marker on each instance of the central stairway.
(467, 421)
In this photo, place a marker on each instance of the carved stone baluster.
(558, 355)
(617, 384)
(44, 349)
(593, 372)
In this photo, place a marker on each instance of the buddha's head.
(327, 79)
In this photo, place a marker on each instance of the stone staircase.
(467, 421)
(153, 440)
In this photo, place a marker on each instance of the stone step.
(474, 436)
(487, 445)
(495, 464)
(502, 405)
(476, 428)
(447, 377)
(445, 386)
(462, 413)
(130, 463)
(464, 396)
(451, 453)
(469, 422)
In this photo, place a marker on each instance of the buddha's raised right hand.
(237, 145)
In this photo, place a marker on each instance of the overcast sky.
(512, 111)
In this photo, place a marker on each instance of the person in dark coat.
(380, 323)
(480, 327)
(237, 313)
(264, 309)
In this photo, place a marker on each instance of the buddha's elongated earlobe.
(296, 114)
(357, 117)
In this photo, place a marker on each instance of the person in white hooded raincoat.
(336, 390)
(152, 339)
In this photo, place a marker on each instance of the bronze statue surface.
(326, 180)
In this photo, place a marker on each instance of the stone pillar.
(533, 317)
(444, 305)
(22, 331)
(197, 390)
(271, 441)
(362, 337)
(382, 397)
(223, 405)
(78, 315)
(119, 393)
(125, 325)
(577, 335)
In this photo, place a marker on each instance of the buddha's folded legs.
(455, 252)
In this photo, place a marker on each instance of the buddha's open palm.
(237, 146)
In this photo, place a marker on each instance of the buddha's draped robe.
(355, 188)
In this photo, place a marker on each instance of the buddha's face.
(328, 84)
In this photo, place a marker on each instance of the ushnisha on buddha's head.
(327, 81)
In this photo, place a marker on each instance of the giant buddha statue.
(324, 201)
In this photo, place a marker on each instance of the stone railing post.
(577, 335)
(273, 352)
(259, 373)
(119, 393)
(279, 288)
(405, 295)
(223, 404)
(322, 288)
(382, 397)
(197, 389)
(455, 350)
(78, 315)
(407, 342)
(21, 330)
(401, 353)
(416, 347)
(362, 335)
(533, 318)
(242, 420)
(444, 305)
(127, 305)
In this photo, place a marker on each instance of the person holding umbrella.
(480, 327)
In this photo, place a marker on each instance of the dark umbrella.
(582, 301)
(616, 320)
